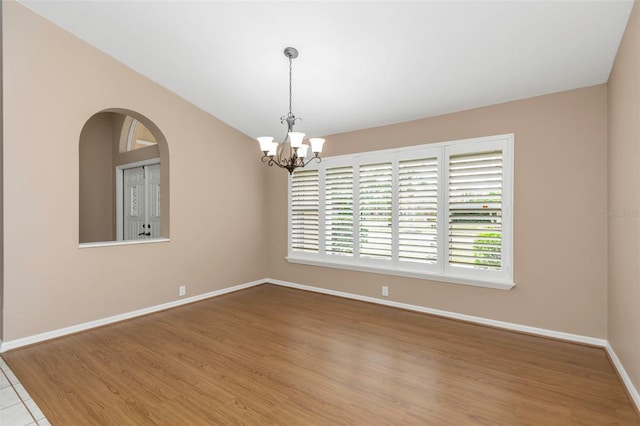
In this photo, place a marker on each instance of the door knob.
(147, 234)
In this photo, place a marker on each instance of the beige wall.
(217, 236)
(96, 204)
(560, 195)
(624, 200)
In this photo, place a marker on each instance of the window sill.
(123, 243)
(403, 273)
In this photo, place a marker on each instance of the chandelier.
(292, 153)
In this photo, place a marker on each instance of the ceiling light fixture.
(291, 153)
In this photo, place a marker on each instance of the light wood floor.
(273, 355)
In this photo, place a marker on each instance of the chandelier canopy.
(292, 152)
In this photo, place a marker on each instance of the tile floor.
(16, 406)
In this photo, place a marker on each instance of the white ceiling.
(362, 64)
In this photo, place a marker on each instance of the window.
(137, 137)
(439, 211)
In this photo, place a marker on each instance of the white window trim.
(441, 271)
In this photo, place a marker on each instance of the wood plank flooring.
(273, 355)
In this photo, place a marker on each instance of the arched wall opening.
(102, 159)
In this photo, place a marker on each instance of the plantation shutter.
(376, 210)
(435, 211)
(418, 210)
(339, 211)
(304, 211)
(475, 210)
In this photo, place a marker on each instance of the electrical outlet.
(385, 290)
(182, 290)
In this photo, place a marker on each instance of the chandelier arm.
(271, 162)
(291, 165)
(283, 160)
(311, 159)
(268, 159)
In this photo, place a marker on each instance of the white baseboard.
(446, 314)
(13, 344)
(633, 392)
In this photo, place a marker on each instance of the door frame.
(120, 192)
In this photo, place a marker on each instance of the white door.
(153, 200)
(141, 202)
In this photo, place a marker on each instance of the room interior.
(576, 150)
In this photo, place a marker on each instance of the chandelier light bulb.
(302, 151)
(296, 139)
(265, 143)
(273, 150)
(316, 145)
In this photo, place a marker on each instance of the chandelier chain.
(290, 70)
